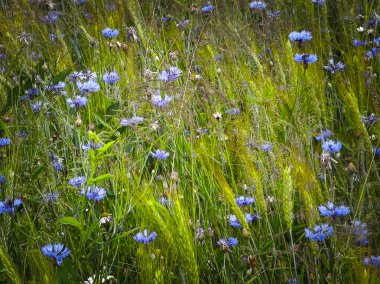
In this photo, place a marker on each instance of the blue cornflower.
(357, 42)
(199, 234)
(110, 33)
(32, 93)
(8, 206)
(232, 241)
(319, 233)
(36, 107)
(88, 75)
(56, 162)
(135, 120)
(342, 211)
(374, 20)
(300, 37)
(170, 75)
(111, 77)
(83, 75)
(78, 181)
(91, 145)
(251, 217)
(325, 133)
(234, 222)
(370, 120)
(225, 244)
(201, 131)
(50, 197)
(159, 101)
(35, 56)
(160, 154)
(183, 23)
(21, 134)
(166, 19)
(266, 147)
(332, 67)
(58, 88)
(77, 102)
(319, 2)
(75, 75)
(56, 251)
(332, 146)
(372, 53)
(51, 17)
(373, 261)
(144, 238)
(330, 210)
(27, 97)
(80, 1)
(273, 14)
(166, 201)
(88, 15)
(88, 87)
(3, 180)
(306, 59)
(5, 141)
(95, 193)
(218, 57)
(361, 233)
(233, 111)
(376, 151)
(207, 8)
(24, 98)
(244, 200)
(258, 5)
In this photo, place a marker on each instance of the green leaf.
(106, 147)
(37, 172)
(112, 110)
(126, 234)
(86, 234)
(102, 121)
(70, 221)
(100, 178)
(93, 136)
(61, 76)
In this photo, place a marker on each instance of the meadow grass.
(242, 121)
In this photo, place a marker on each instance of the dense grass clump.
(189, 142)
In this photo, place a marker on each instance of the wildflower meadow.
(228, 141)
